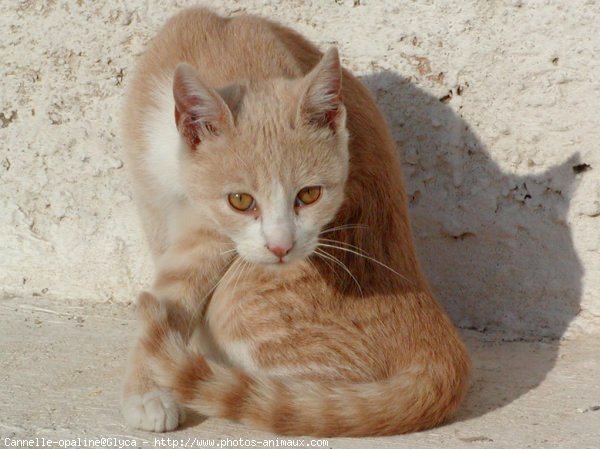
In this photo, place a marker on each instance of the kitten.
(288, 295)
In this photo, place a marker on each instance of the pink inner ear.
(331, 118)
(333, 96)
(177, 117)
(187, 122)
(326, 117)
(324, 97)
(184, 123)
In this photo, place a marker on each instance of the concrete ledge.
(62, 364)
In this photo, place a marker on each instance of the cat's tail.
(411, 400)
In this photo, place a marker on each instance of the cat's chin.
(280, 265)
(277, 266)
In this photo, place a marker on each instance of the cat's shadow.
(192, 419)
(495, 245)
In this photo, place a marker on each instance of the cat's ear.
(321, 102)
(201, 111)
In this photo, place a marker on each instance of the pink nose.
(280, 250)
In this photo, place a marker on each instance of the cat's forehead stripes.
(267, 111)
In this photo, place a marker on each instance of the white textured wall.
(507, 230)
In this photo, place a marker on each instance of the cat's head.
(267, 161)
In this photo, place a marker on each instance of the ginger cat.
(288, 295)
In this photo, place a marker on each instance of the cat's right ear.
(321, 104)
(200, 111)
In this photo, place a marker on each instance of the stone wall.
(494, 105)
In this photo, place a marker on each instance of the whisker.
(368, 258)
(314, 267)
(245, 265)
(341, 264)
(337, 276)
(234, 273)
(219, 281)
(344, 243)
(343, 227)
(228, 251)
(322, 255)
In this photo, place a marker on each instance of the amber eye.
(241, 201)
(308, 195)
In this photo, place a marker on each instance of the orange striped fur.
(348, 342)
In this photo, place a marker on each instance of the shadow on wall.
(495, 246)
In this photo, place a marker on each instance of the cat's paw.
(155, 411)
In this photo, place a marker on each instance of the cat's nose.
(280, 250)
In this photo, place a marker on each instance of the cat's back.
(222, 49)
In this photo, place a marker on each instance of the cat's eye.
(308, 195)
(242, 202)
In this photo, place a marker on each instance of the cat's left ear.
(201, 111)
(321, 102)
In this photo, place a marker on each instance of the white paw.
(155, 411)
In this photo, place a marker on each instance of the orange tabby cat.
(288, 294)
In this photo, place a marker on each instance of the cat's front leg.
(144, 405)
(185, 278)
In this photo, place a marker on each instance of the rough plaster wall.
(494, 105)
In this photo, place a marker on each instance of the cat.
(288, 294)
